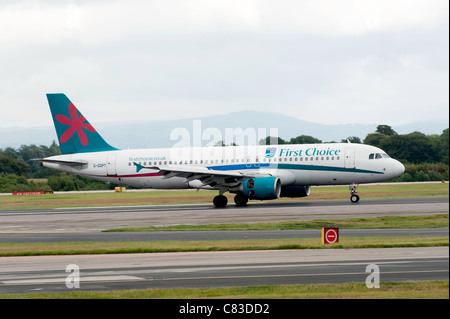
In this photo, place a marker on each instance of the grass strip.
(432, 221)
(219, 245)
(388, 290)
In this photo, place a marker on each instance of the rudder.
(75, 133)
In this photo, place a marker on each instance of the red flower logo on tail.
(76, 125)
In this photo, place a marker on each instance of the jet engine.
(262, 187)
(295, 191)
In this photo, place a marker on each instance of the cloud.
(324, 61)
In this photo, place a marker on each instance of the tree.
(375, 139)
(9, 165)
(271, 140)
(386, 130)
(444, 147)
(414, 147)
(304, 139)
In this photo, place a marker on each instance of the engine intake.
(262, 187)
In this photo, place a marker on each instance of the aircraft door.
(349, 160)
(111, 165)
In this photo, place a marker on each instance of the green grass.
(388, 290)
(205, 197)
(39, 249)
(432, 221)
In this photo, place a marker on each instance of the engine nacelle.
(262, 187)
(295, 191)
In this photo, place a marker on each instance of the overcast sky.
(324, 61)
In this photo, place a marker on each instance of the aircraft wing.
(207, 176)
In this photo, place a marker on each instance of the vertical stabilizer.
(75, 134)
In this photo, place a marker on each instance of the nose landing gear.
(354, 198)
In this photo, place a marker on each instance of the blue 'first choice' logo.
(270, 152)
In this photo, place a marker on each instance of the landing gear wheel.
(220, 201)
(354, 198)
(240, 199)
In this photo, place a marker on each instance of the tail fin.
(75, 134)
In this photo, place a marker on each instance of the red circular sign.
(331, 236)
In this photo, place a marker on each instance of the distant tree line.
(426, 158)
(18, 173)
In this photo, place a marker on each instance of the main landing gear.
(354, 198)
(222, 201)
(240, 199)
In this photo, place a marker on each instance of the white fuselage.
(300, 164)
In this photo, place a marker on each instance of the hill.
(149, 134)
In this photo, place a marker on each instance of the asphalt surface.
(220, 269)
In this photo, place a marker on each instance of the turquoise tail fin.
(75, 134)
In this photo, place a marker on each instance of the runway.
(220, 269)
(102, 218)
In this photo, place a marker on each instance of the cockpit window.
(378, 156)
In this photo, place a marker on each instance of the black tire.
(220, 201)
(240, 199)
(354, 198)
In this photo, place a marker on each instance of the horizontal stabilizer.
(62, 162)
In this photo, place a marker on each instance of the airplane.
(262, 172)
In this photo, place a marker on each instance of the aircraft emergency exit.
(250, 172)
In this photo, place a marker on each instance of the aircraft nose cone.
(399, 168)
